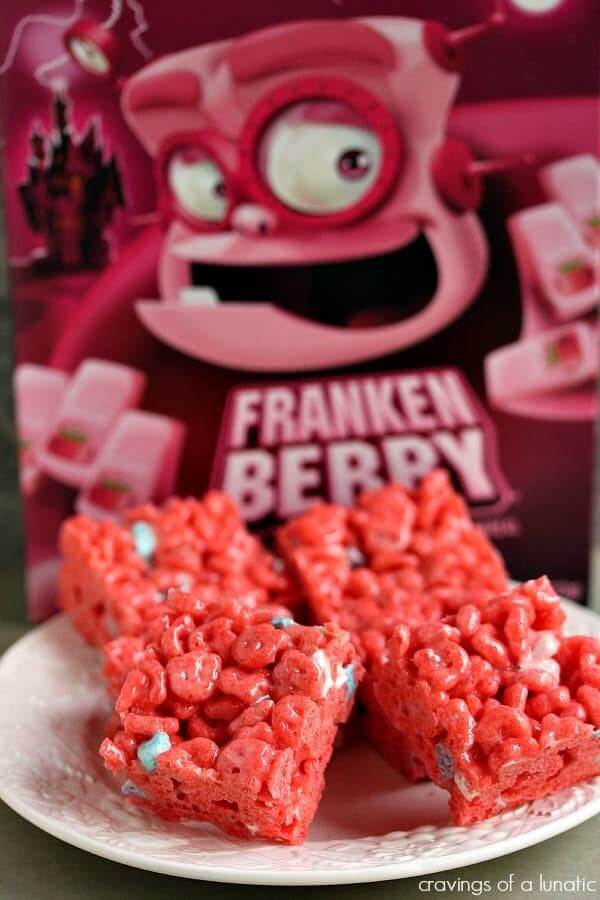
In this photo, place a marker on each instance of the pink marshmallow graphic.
(38, 393)
(137, 464)
(97, 395)
(560, 263)
(575, 183)
(556, 360)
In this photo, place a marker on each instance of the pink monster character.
(317, 215)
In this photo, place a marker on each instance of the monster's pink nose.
(251, 219)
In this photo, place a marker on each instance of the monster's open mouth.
(359, 293)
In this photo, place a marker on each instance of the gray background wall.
(11, 532)
(10, 508)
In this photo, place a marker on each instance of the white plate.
(371, 826)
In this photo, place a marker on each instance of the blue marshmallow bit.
(282, 622)
(129, 789)
(351, 683)
(185, 583)
(445, 762)
(144, 538)
(597, 733)
(356, 558)
(150, 750)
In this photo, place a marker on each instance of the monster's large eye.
(198, 184)
(319, 158)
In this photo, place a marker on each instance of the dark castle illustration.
(71, 193)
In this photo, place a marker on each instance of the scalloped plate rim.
(283, 875)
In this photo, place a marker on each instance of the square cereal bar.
(113, 575)
(230, 717)
(499, 707)
(398, 556)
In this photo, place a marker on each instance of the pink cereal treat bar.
(398, 556)
(113, 575)
(498, 706)
(230, 716)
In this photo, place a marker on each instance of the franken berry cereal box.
(298, 250)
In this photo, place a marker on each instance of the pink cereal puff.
(246, 686)
(500, 724)
(261, 732)
(485, 641)
(193, 677)
(443, 665)
(516, 695)
(296, 720)
(260, 711)
(258, 646)
(223, 707)
(589, 697)
(297, 673)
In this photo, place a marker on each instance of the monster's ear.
(307, 43)
(156, 103)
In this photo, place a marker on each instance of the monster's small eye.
(198, 184)
(319, 158)
(89, 56)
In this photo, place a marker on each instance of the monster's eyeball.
(95, 49)
(537, 7)
(322, 150)
(320, 157)
(198, 185)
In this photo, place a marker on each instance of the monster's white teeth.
(198, 296)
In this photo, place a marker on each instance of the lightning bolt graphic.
(140, 29)
(23, 24)
(141, 24)
(115, 14)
